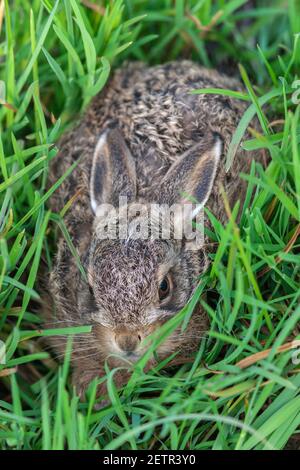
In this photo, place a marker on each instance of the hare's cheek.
(168, 346)
(105, 340)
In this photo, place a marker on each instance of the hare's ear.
(113, 171)
(190, 179)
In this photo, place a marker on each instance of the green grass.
(54, 57)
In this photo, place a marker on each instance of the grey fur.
(151, 122)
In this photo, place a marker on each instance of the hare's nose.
(128, 342)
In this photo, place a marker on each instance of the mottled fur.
(160, 121)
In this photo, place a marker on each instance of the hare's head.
(140, 273)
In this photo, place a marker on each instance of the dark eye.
(164, 288)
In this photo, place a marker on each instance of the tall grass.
(241, 391)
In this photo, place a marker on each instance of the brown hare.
(145, 138)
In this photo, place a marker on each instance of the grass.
(242, 390)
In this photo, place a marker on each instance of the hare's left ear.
(190, 179)
(113, 171)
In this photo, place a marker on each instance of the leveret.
(146, 138)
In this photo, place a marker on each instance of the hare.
(145, 138)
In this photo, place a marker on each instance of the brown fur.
(162, 143)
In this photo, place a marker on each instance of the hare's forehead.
(125, 289)
(129, 253)
(133, 268)
(125, 280)
(119, 267)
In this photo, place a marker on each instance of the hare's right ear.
(113, 171)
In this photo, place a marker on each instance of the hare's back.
(158, 116)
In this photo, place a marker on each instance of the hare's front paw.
(83, 378)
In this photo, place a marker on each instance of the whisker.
(75, 337)
(59, 356)
(62, 321)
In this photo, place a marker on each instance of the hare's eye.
(164, 288)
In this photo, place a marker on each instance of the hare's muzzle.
(128, 341)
